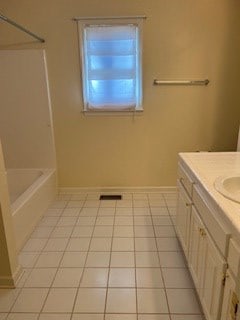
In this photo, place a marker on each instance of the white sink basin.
(229, 186)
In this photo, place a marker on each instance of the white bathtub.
(30, 191)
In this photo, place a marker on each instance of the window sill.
(112, 113)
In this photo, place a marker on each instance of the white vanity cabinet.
(183, 218)
(205, 241)
(230, 307)
(207, 267)
(230, 310)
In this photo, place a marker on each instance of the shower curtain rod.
(21, 28)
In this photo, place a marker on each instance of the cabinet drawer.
(185, 180)
(234, 258)
(218, 232)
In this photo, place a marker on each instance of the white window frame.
(82, 23)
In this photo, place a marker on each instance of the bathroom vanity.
(208, 227)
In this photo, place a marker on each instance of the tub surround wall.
(9, 268)
(25, 114)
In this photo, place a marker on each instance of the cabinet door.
(230, 300)
(183, 218)
(196, 249)
(212, 284)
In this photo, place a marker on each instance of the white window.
(111, 64)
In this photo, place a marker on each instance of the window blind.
(111, 66)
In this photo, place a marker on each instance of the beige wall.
(183, 39)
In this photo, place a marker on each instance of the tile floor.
(104, 260)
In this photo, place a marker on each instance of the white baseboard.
(66, 190)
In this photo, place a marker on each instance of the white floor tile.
(106, 212)
(121, 300)
(27, 259)
(149, 278)
(153, 317)
(123, 221)
(123, 231)
(56, 244)
(40, 278)
(103, 231)
(143, 231)
(177, 278)
(187, 317)
(78, 244)
(48, 222)
(67, 221)
(86, 221)
(75, 204)
(159, 211)
(91, 255)
(91, 204)
(98, 259)
(183, 301)
(143, 220)
(90, 300)
(22, 316)
(123, 244)
(120, 316)
(141, 211)
(108, 204)
(7, 298)
(60, 300)
(122, 277)
(73, 259)
(85, 231)
(80, 196)
(34, 245)
(42, 232)
(147, 259)
(122, 259)
(145, 244)
(62, 232)
(172, 260)
(30, 300)
(49, 260)
(152, 301)
(87, 316)
(104, 221)
(140, 203)
(162, 220)
(94, 277)
(55, 316)
(168, 244)
(164, 231)
(124, 211)
(67, 277)
(100, 244)
(89, 212)
(70, 212)
(124, 204)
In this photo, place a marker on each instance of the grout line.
(164, 288)
(109, 265)
(84, 267)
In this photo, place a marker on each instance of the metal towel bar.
(182, 82)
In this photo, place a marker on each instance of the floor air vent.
(110, 197)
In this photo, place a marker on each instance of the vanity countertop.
(206, 167)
